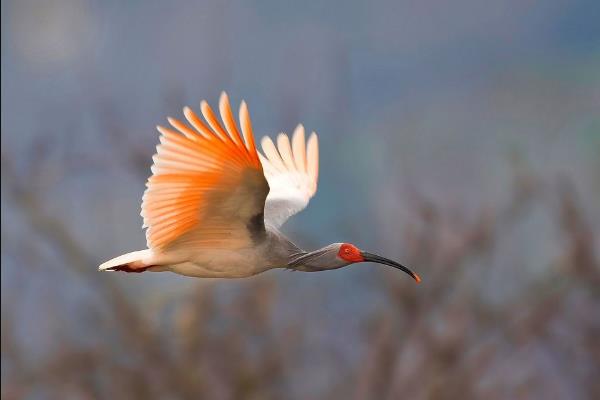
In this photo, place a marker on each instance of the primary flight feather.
(213, 205)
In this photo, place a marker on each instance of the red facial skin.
(350, 253)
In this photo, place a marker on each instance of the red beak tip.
(417, 278)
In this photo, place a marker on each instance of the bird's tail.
(137, 261)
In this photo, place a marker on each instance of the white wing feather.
(292, 171)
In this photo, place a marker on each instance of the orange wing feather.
(198, 171)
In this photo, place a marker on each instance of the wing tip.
(281, 135)
(299, 130)
(203, 105)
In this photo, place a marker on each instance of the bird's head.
(339, 255)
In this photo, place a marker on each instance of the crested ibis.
(213, 205)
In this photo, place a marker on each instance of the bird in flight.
(214, 204)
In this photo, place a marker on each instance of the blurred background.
(461, 138)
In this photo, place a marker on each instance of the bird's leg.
(129, 269)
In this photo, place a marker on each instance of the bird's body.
(272, 251)
(213, 205)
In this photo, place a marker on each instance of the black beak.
(382, 260)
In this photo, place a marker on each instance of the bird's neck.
(313, 261)
(284, 253)
(302, 261)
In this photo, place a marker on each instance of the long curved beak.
(382, 260)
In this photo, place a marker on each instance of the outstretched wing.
(207, 187)
(292, 170)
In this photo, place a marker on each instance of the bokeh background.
(461, 138)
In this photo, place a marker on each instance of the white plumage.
(292, 173)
